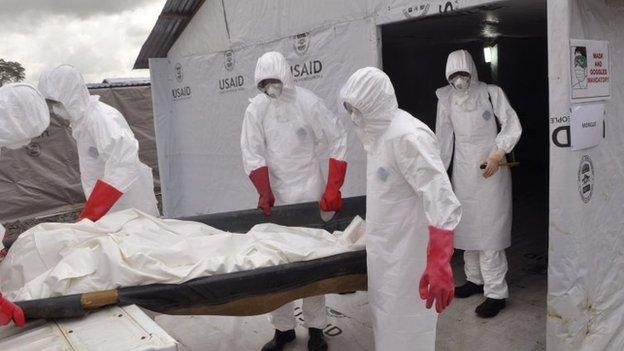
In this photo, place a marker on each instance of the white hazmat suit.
(466, 124)
(113, 178)
(23, 115)
(281, 137)
(407, 191)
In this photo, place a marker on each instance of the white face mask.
(355, 115)
(58, 109)
(274, 90)
(461, 83)
(357, 118)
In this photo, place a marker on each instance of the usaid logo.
(180, 93)
(307, 70)
(586, 178)
(179, 73)
(302, 43)
(425, 8)
(229, 60)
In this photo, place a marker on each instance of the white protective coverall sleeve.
(417, 158)
(118, 147)
(23, 115)
(328, 129)
(253, 146)
(444, 132)
(511, 130)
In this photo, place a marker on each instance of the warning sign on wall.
(590, 71)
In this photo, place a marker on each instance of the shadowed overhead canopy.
(507, 19)
(172, 21)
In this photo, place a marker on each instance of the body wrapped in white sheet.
(130, 248)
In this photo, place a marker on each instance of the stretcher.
(245, 293)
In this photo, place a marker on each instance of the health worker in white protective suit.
(408, 195)
(466, 124)
(113, 178)
(283, 130)
(23, 115)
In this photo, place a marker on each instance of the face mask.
(354, 114)
(274, 90)
(357, 118)
(461, 83)
(58, 109)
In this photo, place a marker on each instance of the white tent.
(202, 56)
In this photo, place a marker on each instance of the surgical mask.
(357, 118)
(355, 115)
(274, 90)
(59, 110)
(461, 83)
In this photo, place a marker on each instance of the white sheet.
(130, 248)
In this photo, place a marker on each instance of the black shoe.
(317, 340)
(280, 340)
(490, 307)
(468, 289)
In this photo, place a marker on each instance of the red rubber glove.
(260, 179)
(11, 312)
(437, 282)
(102, 198)
(332, 198)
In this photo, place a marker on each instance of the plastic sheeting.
(200, 102)
(129, 248)
(585, 296)
(43, 179)
(235, 24)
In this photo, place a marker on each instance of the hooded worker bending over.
(113, 177)
(23, 116)
(282, 131)
(408, 194)
(466, 124)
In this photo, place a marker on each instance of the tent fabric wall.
(260, 21)
(205, 33)
(207, 96)
(220, 25)
(44, 179)
(585, 298)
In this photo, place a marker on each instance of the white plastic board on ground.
(115, 328)
(200, 103)
(586, 258)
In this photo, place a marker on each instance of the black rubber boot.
(280, 340)
(467, 290)
(490, 307)
(317, 340)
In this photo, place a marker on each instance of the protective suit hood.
(273, 65)
(371, 92)
(23, 115)
(461, 61)
(65, 84)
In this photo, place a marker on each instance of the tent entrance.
(508, 41)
